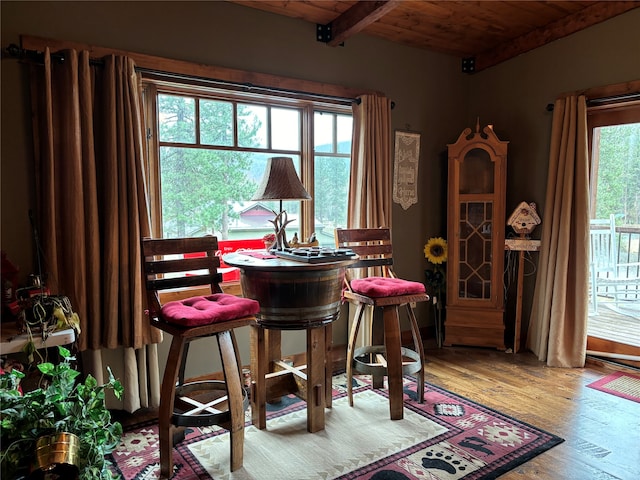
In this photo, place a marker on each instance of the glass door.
(614, 308)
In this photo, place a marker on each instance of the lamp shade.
(281, 182)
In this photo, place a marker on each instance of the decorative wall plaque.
(405, 168)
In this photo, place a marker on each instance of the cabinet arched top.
(485, 140)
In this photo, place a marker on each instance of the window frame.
(608, 108)
(308, 106)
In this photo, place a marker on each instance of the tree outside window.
(212, 153)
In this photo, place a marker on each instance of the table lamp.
(281, 182)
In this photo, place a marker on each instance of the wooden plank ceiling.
(482, 33)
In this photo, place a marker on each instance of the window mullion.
(269, 123)
(235, 124)
(197, 120)
(307, 171)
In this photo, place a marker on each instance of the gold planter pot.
(57, 449)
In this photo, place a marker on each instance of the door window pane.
(614, 249)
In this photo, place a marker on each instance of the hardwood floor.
(601, 431)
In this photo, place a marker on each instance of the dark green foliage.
(619, 173)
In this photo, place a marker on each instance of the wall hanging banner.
(405, 171)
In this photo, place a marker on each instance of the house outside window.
(208, 150)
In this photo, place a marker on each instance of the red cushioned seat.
(386, 287)
(204, 310)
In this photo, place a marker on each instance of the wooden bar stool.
(383, 292)
(184, 263)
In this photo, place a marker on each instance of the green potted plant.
(64, 406)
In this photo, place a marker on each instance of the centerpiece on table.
(269, 241)
(435, 251)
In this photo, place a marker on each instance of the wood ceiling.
(482, 33)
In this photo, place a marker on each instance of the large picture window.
(208, 150)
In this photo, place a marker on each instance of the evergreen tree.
(200, 185)
(619, 173)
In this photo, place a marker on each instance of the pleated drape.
(370, 189)
(370, 186)
(92, 207)
(558, 323)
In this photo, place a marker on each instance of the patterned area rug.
(446, 437)
(620, 384)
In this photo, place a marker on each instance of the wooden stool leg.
(235, 397)
(165, 411)
(393, 348)
(377, 338)
(417, 341)
(273, 341)
(315, 379)
(258, 373)
(351, 348)
(328, 366)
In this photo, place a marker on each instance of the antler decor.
(280, 223)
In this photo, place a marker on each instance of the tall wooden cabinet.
(475, 231)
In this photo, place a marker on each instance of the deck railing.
(628, 248)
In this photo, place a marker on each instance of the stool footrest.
(199, 395)
(368, 368)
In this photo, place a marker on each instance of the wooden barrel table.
(293, 295)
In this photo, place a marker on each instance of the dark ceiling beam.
(359, 16)
(591, 15)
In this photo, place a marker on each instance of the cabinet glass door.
(476, 216)
(474, 281)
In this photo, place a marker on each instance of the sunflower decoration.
(435, 251)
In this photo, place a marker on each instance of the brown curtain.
(371, 180)
(558, 324)
(92, 208)
(370, 187)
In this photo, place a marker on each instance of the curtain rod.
(611, 100)
(14, 51)
(250, 87)
(247, 87)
